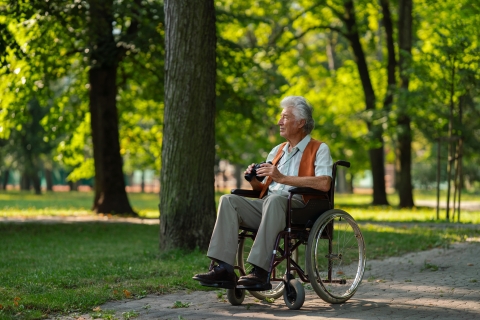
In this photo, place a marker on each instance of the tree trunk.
(187, 202)
(73, 185)
(110, 194)
(49, 179)
(350, 184)
(330, 50)
(460, 156)
(438, 176)
(404, 132)
(239, 175)
(451, 143)
(36, 182)
(392, 63)
(5, 179)
(25, 182)
(341, 183)
(376, 153)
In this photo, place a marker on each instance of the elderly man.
(299, 162)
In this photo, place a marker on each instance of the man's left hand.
(267, 169)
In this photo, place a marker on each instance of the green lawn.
(47, 269)
(59, 268)
(22, 204)
(26, 204)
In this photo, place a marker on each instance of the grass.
(48, 269)
(26, 204)
(22, 204)
(63, 268)
(60, 268)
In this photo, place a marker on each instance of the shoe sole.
(223, 285)
(216, 284)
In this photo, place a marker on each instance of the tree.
(404, 132)
(446, 79)
(62, 41)
(110, 194)
(187, 206)
(376, 150)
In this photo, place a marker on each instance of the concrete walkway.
(434, 284)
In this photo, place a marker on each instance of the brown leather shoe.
(217, 277)
(257, 276)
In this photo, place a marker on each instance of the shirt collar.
(301, 145)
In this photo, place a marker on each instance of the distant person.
(299, 162)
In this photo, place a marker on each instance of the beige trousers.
(268, 215)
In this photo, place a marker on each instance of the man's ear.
(302, 123)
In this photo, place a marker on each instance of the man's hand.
(269, 170)
(320, 183)
(256, 185)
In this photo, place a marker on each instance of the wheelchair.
(330, 241)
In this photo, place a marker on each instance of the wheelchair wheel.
(335, 256)
(235, 296)
(294, 297)
(276, 292)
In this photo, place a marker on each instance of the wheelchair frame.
(296, 234)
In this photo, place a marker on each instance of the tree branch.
(301, 35)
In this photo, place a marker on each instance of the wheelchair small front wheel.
(294, 294)
(235, 296)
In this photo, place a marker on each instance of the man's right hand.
(249, 169)
(256, 185)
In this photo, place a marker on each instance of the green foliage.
(265, 50)
(57, 48)
(446, 71)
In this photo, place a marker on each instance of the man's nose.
(280, 121)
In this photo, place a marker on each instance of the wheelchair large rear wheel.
(244, 246)
(335, 256)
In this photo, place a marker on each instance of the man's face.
(289, 126)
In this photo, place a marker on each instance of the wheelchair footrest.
(224, 285)
(257, 287)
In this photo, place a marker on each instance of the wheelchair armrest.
(246, 193)
(307, 191)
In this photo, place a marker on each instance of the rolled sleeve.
(323, 161)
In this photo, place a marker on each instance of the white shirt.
(290, 163)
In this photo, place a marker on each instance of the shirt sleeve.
(323, 161)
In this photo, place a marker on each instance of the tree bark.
(404, 132)
(110, 194)
(377, 156)
(451, 142)
(36, 182)
(187, 205)
(239, 175)
(73, 185)
(392, 62)
(142, 183)
(24, 182)
(6, 177)
(49, 179)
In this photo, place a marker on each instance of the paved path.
(434, 284)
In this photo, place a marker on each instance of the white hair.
(302, 110)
